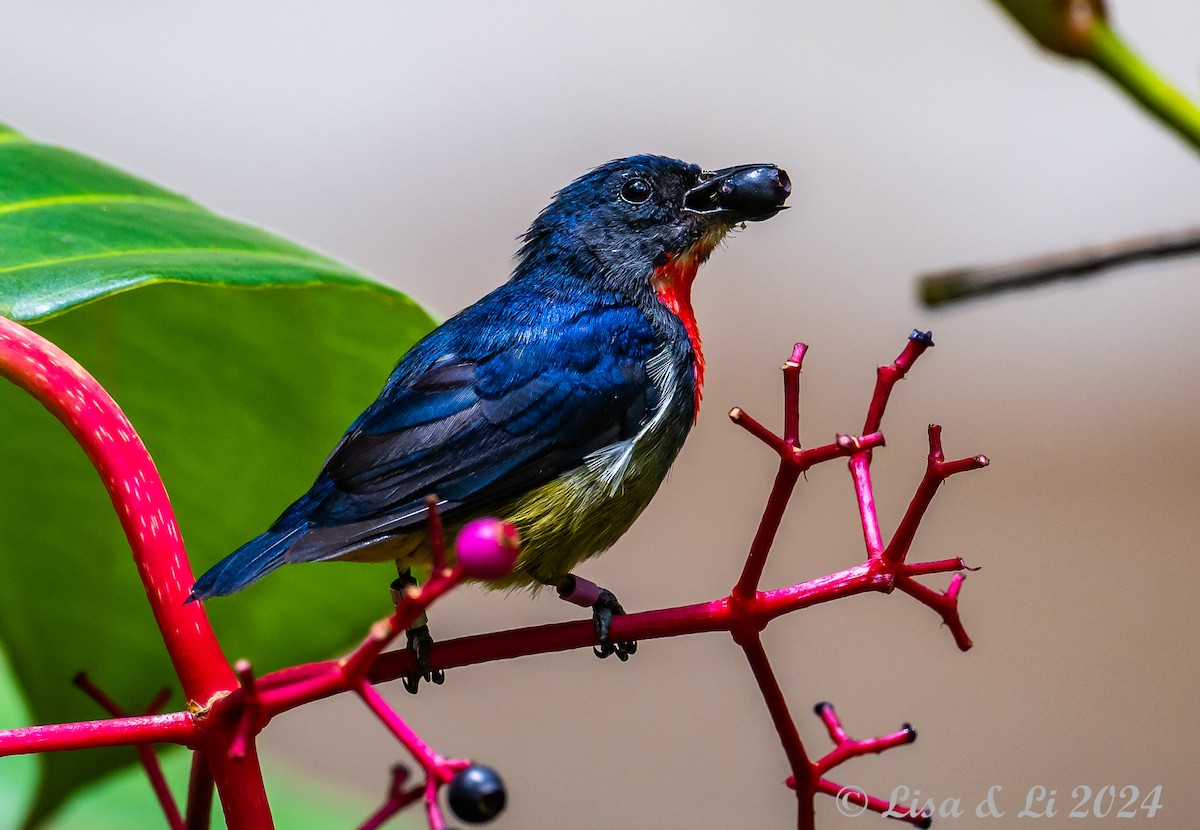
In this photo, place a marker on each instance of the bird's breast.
(673, 286)
(586, 510)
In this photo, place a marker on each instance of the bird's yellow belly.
(572, 518)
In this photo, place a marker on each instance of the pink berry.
(487, 548)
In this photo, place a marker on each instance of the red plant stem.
(852, 749)
(240, 783)
(860, 465)
(945, 604)
(937, 470)
(397, 799)
(768, 526)
(740, 417)
(175, 728)
(791, 395)
(105, 434)
(97, 694)
(223, 730)
(872, 803)
(792, 462)
(200, 793)
(158, 782)
(249, 717)
(287, 688)
(437, 770)
(809, 778)
(939, 567)
(888, 376)
(436, 767)
(860, 471)
(777, 706)
(833, 724)
(137, 493)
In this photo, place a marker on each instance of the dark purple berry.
(477, 794)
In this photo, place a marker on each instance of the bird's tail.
(246, 565)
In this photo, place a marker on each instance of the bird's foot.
(421, 643)
(604, 607)
(419, 640)
(603, 611)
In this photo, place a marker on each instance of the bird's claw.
(605, 608)
(421, 643)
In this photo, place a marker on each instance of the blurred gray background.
(418, 140)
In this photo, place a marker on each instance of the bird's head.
(642, 226)
(635, 217)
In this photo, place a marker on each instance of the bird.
(557, 402)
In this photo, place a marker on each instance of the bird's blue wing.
(492, 415)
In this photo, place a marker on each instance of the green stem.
(1110, 55)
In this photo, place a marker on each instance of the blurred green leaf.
(125, 802)
(18, 774)
(1079, 29)
(240, 359)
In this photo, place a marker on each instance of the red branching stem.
(888, 376)
(864, 490)
(397, 799)
(283, 690)
(777, 706)
(175, 728)
(200, 794)
(351, 673)
(250, 720)
(937, 470)
(149, 761)
(846, 747)
(877, 805)
(82, 681)
(228, 709)
(791, 395)
(437, 768)
(137, 493)
(940, 566)
(792, 463)
(240, 783)
(718, 615)
(764, 537)
(759, 431)
(158, 783)
(105, 434)
(287, 688)
(860, 465)
(809, 779)
(945, 604)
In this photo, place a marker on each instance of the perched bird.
(557, 402)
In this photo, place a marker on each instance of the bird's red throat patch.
(672, 282)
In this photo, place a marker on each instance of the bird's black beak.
(746, 193)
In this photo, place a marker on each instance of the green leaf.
(125, 802)
(240, 359)
(18, 775)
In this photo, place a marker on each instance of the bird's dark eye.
(635, 191)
